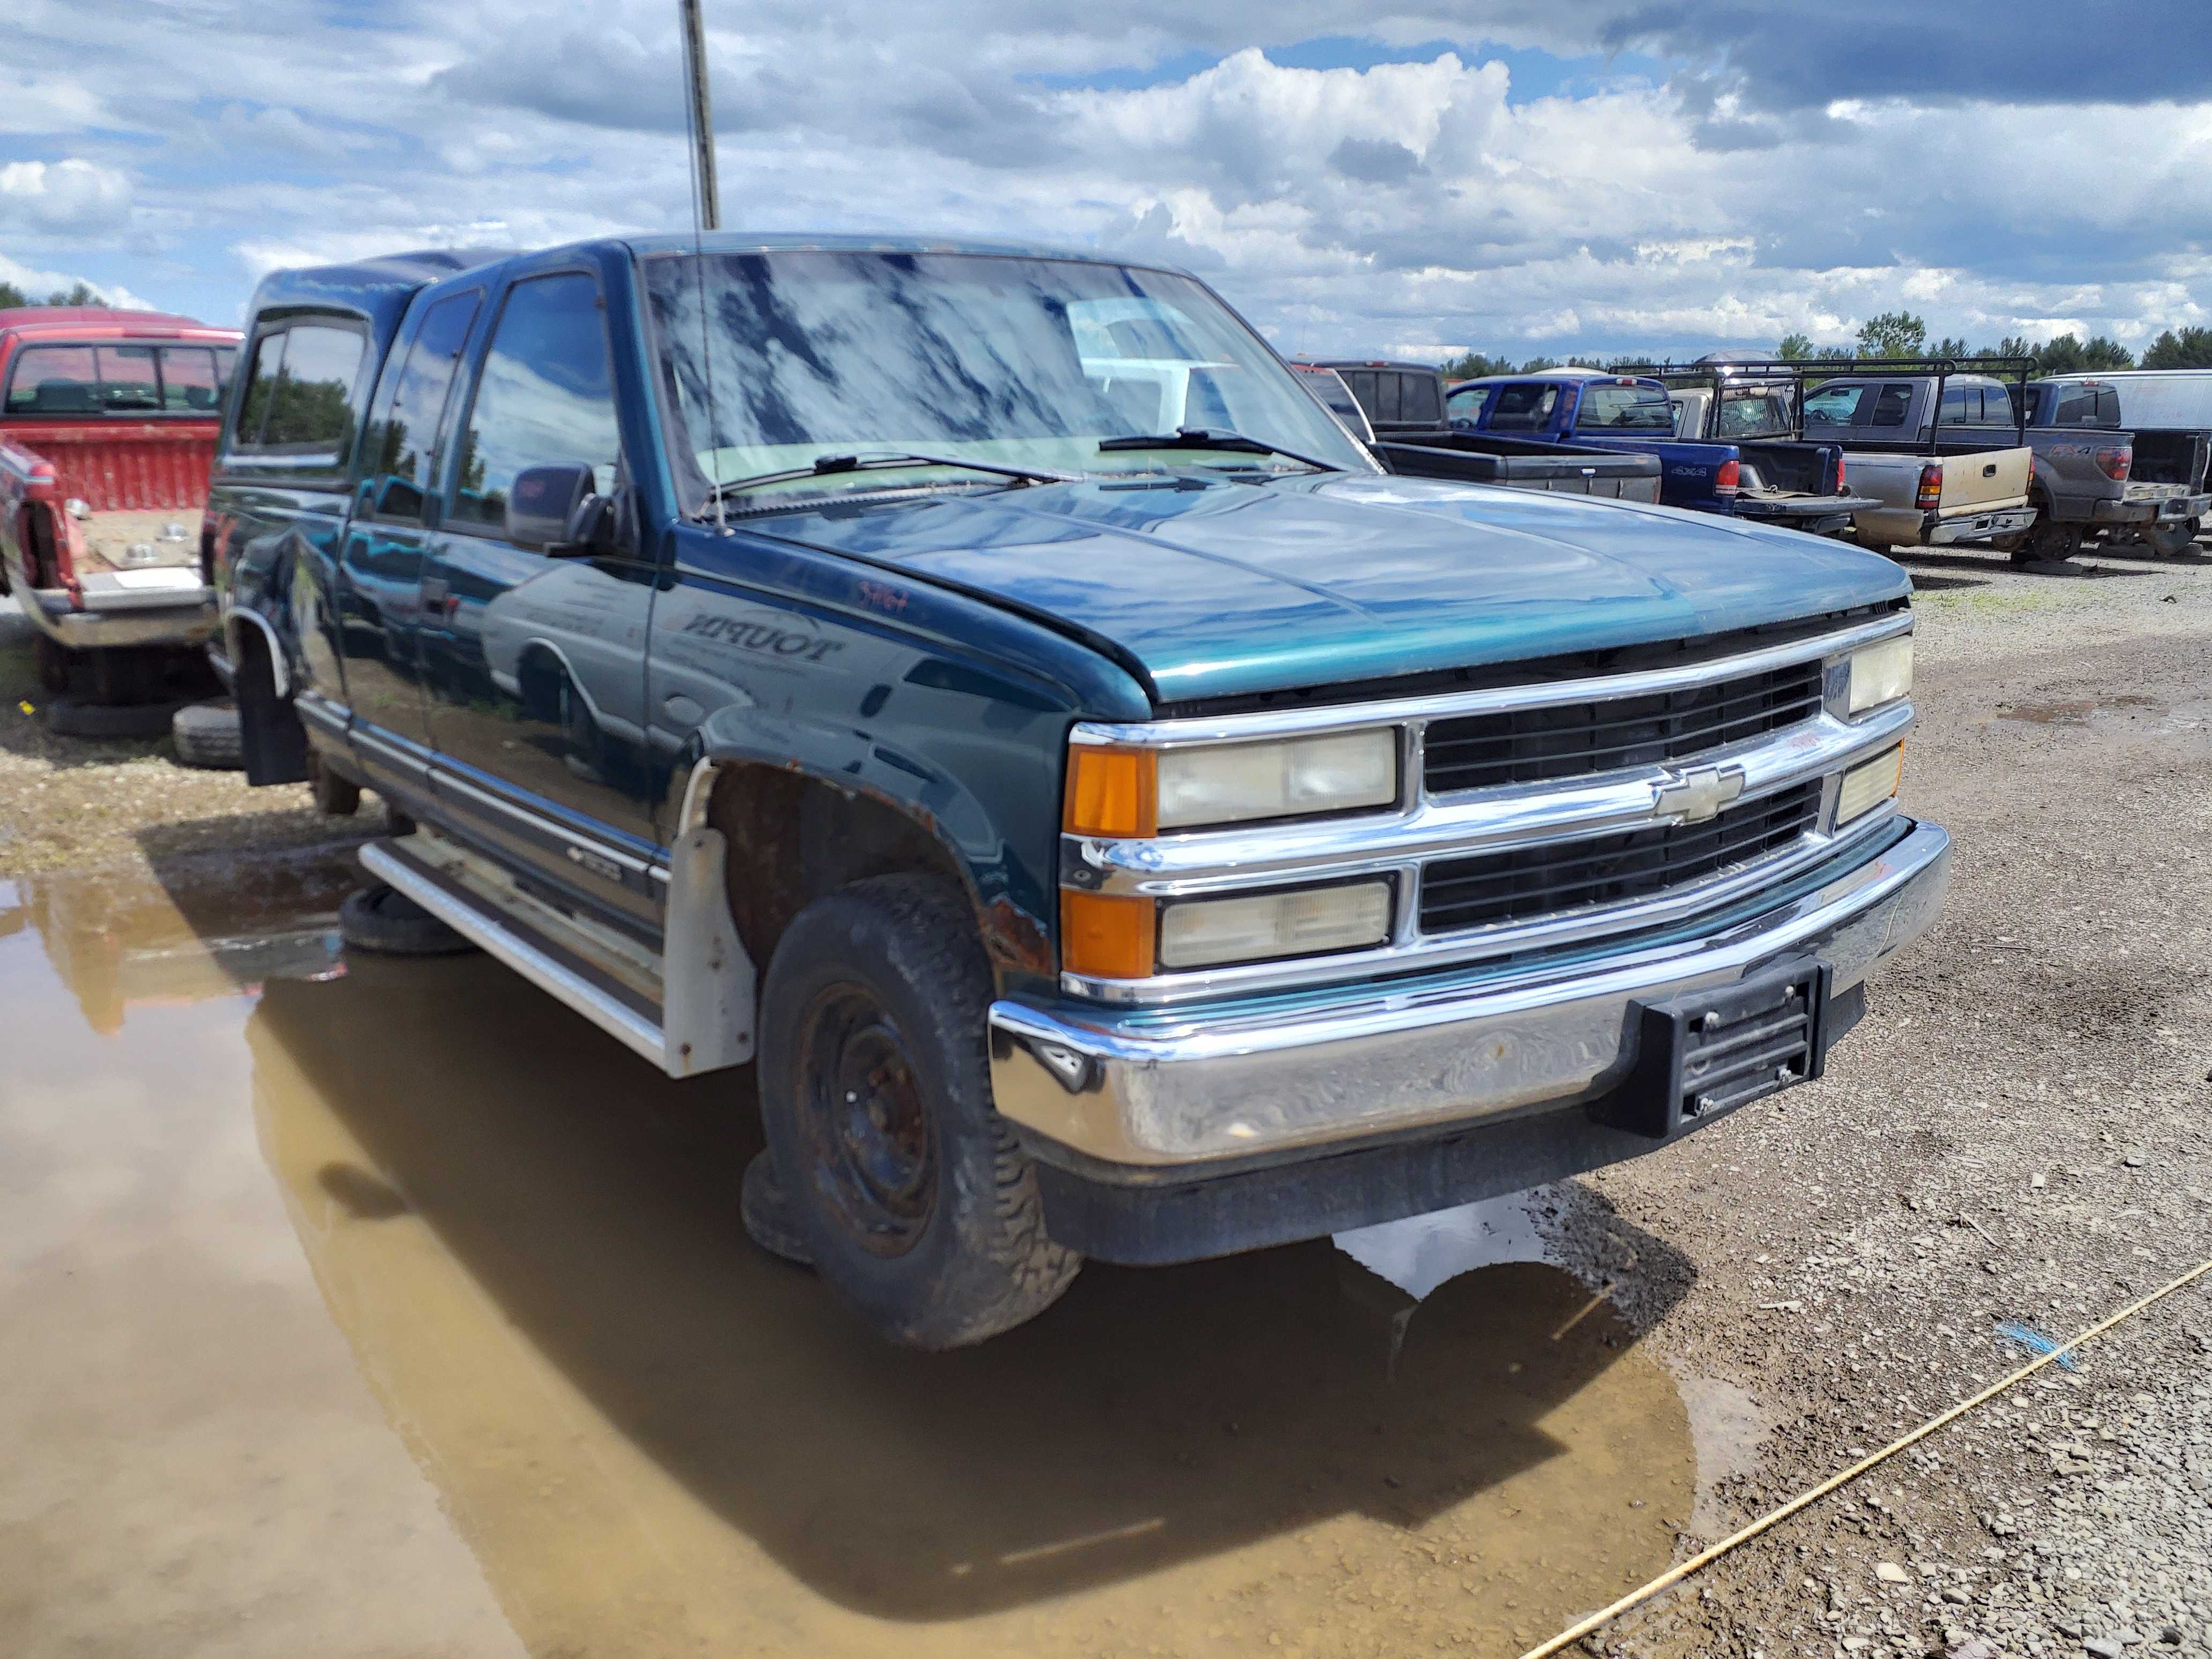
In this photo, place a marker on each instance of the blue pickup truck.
(1103, 835)
(1797, 485)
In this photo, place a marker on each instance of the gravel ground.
(68, 804)
(2016, 1134)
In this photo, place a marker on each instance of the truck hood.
(1212, 588)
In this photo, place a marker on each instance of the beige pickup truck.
(1927, 500)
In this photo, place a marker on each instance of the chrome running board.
(622, 987)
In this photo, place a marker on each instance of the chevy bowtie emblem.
(1697, 794)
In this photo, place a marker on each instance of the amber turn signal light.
(1112, 792)
(1107, 935)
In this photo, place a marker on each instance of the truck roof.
(97, 321)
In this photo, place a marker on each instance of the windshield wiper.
(827, 466)
(1213, 437)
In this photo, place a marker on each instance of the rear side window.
(1893, 403)
(410, 404)
(2077, 406)
(544, 396)
(1523, 408)
(1624, 409)
(298, 406)
(1420, 399)
(1956, 399)
(1997, 405)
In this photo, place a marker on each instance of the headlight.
(1880, 673)
(1140, 792)
(1206, 933)
(1869, 784)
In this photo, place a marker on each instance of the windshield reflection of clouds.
(1022, 362)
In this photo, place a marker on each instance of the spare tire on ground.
(80, 717)
(379, 917)
(206, 734)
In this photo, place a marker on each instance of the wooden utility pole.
(702, 116)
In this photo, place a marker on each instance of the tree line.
(82, 295)
(1900, 334)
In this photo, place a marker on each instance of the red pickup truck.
(107, 428)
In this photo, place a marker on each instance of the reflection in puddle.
(656, 1440)
(2078, 711)
(203, 928)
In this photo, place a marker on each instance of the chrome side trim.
(1180, 1089)
(608, 1013)
(1275, 723)
(279, 669)
(320, 711)
(551, 829)
(1477, 821)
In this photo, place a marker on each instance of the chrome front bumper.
(1176, 1089)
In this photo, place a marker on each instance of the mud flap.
(270, 740)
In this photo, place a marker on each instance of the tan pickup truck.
(1927, 500)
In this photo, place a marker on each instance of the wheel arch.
(795, 834)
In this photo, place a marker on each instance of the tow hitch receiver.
(1700, 1054)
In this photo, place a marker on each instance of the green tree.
(1473, 366)
(2189, 349)
(2014, 346)
(81, 294)
(1794, 347)
(1834, 354)
(1893, 334)
(12, 296)
(2063, 356)
(2104, 352)
(1951, 346)
(1538, 365)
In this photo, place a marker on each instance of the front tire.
(917, 1204)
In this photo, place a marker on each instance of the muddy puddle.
(367, 1306)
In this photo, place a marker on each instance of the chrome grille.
(1540, 881)
(1531, 745)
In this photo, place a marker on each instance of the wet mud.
(247, 1155)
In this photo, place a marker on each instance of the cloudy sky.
(1402, 177)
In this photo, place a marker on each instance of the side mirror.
(543, 501)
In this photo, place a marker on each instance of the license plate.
(1702, 1053)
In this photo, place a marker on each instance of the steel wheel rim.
(871, 1149)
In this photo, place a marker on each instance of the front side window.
(299, 397)
(1607, 407)
(1017, 361)
(404, 424)
(543, 397)
(1834, 405)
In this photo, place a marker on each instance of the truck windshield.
(1025, 362)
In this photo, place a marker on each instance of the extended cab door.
(533, 659)
(396, 507)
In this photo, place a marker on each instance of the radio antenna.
(706, 205)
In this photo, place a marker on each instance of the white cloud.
(71, 195)
(1343, 210)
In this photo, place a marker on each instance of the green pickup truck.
(981, 688)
